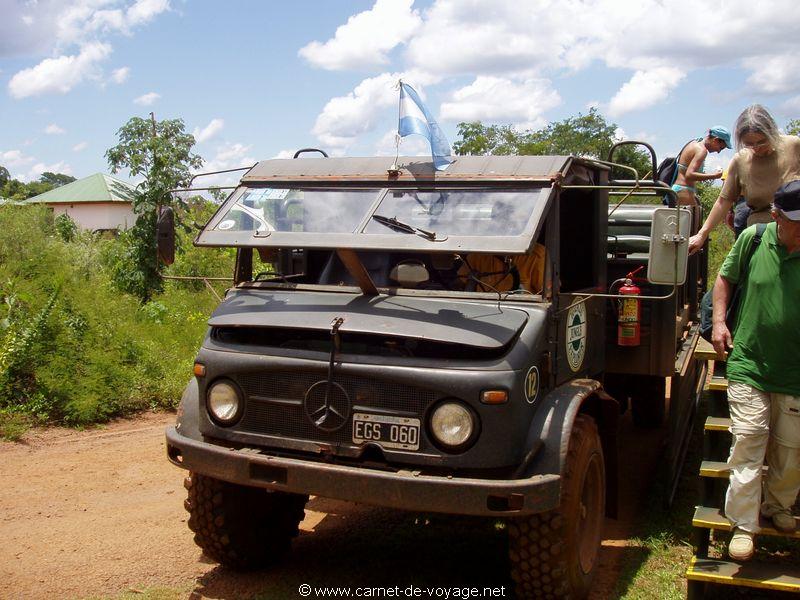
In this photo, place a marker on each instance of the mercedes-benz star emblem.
(327, 405)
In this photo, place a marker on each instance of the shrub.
(74, 349)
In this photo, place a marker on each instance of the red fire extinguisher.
(629, 314)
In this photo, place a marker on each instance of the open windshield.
(363, 218)
(459, 212)
(286, 209)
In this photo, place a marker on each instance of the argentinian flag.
(415, 118)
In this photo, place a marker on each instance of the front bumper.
(407, 490)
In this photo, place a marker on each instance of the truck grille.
(275, 403)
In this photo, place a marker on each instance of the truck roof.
(413, 168)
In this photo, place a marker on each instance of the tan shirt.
(758, 177)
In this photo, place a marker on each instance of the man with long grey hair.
(765, 160)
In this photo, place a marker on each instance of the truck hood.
(483, 325)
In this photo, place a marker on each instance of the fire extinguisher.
(629, 313)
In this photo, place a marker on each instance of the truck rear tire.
(648, 401)
(241, 527)
(554, 554)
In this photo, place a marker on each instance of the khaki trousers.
(763, 425)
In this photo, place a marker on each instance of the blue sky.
(256, 80)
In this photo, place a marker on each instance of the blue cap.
(721, 133)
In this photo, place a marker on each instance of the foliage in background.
(73, 349)
(584, 135)
(161, 152)
(199, 262)
(13, 189)
(66, 228)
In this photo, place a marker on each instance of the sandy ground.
(99, 513)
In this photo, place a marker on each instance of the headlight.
(452, 424)
(224, 402)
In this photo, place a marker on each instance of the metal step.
(712, 518)
(705, 351)
(713, 468)
(779, 577)
(717, 424)
(718, 384)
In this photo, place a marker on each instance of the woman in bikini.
(690, 163)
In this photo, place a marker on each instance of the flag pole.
(394, 169)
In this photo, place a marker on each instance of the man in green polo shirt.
(763, 372)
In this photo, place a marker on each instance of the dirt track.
(100, 513)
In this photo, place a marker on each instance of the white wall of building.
(98, 215)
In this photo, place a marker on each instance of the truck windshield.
(460, 212)
(298, 210)
(451, 219)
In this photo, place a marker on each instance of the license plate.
(389, 432)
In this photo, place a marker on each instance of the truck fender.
(552, 426)
(188, 418)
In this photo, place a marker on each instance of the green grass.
(74, 350)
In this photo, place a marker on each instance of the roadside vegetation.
(75, 349)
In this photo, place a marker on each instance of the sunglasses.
(754, 145)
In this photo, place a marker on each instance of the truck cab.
(429, 341)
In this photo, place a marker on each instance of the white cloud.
(147, 99)
(367, 38)
(80, 147)
(497, 99)
(59, 75)
(791, 106)
(411, 145)
(15, 159)
(228, 156)
(774, 74)
(143, 11)
(284, 154)
(344, 118)
(36, 170)
(209, 131)
(74, 37)
(507, 44)
(120, 75)
(645, 89)
(54, 129)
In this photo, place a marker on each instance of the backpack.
(668, 169)
(706, 305)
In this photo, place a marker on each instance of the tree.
(161, 152)
(584, 135)
(4, 176)
(16, 190)
(793, 127)
(56, 179)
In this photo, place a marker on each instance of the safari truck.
(457, 342)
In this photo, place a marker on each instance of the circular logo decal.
(532, 385)
(576, 336)
(327, 405)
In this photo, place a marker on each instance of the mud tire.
(241, 527)
(555, 554)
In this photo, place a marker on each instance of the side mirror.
(669, 246)
(165, 235)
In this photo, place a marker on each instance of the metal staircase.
(705, 571)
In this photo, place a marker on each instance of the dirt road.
(99, 513)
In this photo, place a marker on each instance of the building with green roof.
(99, 202)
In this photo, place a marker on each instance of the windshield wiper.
(393, 223)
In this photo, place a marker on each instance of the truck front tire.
(241, 527)
(554, 554)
